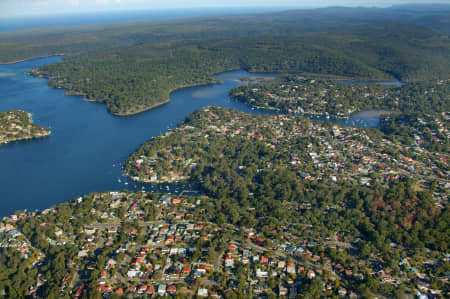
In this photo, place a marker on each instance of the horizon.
(38, 8)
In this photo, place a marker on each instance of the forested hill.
(134, 66)
(23, 44)
(133, 79)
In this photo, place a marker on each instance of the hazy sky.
(36, 7)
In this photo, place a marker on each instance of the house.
(420, 295)
(103, 275)
(202, 292)
(290, 268)
(311, 274)
(162, 290)
(111, 264)
(83, 253)
(186, 271)
(261, 274)
(229, 262)
(172, 290)
(79, 291)
(342, 292)
(90, 231)
(264, 260)
(200, 272)
(261, 287)
(232, 247)
(150, 290)
(119, 291)
(142, 289)
(282, 291)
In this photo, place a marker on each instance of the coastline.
(156, 105)
(371, 111)
(46, 134)
(20, 129)
(138, 110)
(31, 58)
(148, 181)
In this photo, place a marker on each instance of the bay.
(88, 146)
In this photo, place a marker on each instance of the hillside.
(135, 78)
(133, 66)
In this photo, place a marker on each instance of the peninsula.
(331, 98)
(18, 125)
(131, 75)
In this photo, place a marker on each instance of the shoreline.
(147, 181)
(69, 92)
(31, 58)
(139, 110)
(372, 111)
(156, 105)
(27, 138)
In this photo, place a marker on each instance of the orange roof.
(119, 291)
(150, 290)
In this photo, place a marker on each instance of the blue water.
(17, 23)
(388, 83)
(88, 145)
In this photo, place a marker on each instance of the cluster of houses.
(160, 245)
(161, 256)
(17, 125)
(334, 153)
(11, 237)
(311, 97)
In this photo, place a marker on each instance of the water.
(361, 119)
(88, 145)
(388, 83)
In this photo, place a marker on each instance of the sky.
(10, 8)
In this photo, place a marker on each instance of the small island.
(18, 125)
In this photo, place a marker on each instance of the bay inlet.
(88, 145)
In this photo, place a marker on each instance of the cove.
(88, 145)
